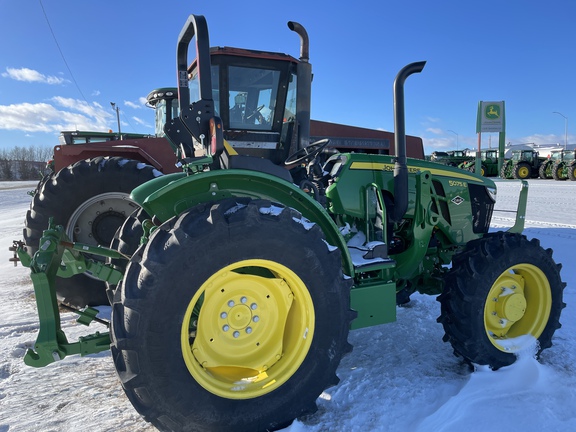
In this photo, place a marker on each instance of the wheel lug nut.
(256, 318)
(243, 299)
(230, 303)
(226, 327)
(236, 334)
(223, 315)
(248, 330)
(253, 306)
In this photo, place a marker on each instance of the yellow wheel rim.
(247, 329)
(517, 308)
(523, 172)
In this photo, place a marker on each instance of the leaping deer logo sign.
(492, 111)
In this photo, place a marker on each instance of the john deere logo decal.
(492, 111)
(457, 200)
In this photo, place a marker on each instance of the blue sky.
(518, 51)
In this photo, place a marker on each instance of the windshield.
(516, 156)
(165, 110)
(556, 155)
(193, 85)
(252, 97)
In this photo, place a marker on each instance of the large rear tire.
(522, 171)
(502, 293)
(558, 171)
(234, 317)
(572, 171)
(91, 200)
(504, 171)
(542, 170)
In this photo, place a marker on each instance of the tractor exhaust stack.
(304, 83)
(400, 167)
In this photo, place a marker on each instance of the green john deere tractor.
(545, 170)
(243, 274)
(565, 167)
(489, 163)
(523, 164)
(451, 158)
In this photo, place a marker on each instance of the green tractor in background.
(451, 158)
(235, 286)
(546, 168)
(565, 167)
(489, 163)
(524, 164)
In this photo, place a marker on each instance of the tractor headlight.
(491, 193)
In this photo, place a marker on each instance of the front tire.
(233, 317)
(502, 293)
(126, 241)
(91, 200)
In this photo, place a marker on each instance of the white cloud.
(30, 75)
(136, 105)
(436, 131)
(96, 93)
(132, 104)
(141, 122)
(542, 139)
(65, 114)
(432, 144)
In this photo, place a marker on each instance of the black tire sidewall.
(61, 195)
(469, 283)
(253, 238)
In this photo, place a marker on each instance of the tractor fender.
(171, 195)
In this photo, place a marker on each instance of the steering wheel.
(255, 113)
(307, 153)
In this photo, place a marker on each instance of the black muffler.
(400, 166)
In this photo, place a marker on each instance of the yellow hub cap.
(518, 305)
(523, 172)
(247, 329)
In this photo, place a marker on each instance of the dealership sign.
(490, 117)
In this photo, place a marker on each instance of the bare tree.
(6, 171)
(23, 163)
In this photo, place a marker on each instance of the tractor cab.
(164, 101)
(254, 95)
(489, 155)
(524, 155)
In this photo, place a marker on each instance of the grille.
(482, 207)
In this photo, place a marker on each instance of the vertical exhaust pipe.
(400, 166)
(304, 76)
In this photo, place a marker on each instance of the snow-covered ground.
(400, 376)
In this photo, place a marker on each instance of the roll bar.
(195, 118)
